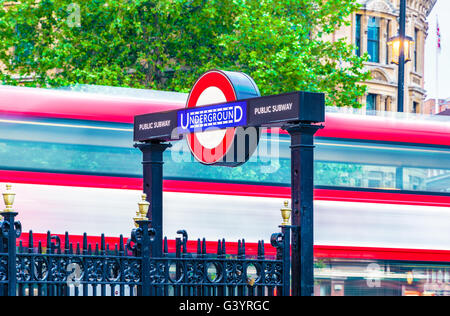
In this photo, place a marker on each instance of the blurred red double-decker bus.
(382, 196)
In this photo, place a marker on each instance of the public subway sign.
(222, 115)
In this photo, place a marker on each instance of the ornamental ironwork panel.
(68, 266)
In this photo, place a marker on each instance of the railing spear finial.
(8, 198)
(141, 214)
(286, 214)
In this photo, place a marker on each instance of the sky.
(441, 12)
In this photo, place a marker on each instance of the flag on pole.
(438, 52)
(438, 34)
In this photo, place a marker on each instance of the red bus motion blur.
(382, 196)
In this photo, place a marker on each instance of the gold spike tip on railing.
(141, 214)
(8, 198)
(286, 214)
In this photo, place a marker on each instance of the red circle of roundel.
(211, 155)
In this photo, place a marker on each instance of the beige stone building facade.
(371, 28)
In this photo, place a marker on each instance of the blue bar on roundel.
(219, 116)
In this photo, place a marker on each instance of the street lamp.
(394, 44)
(401, 54)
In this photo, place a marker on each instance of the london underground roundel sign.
(216, 141)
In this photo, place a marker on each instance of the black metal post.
(11, 233)
(153, 187)
(286, 231)
(401, 59)
(302, 186)
(144, 227)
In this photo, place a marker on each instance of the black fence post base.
(147, 235)
(10, 230)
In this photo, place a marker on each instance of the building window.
(373, 39)
(415, 107)
(416, 36)
(371, 102)
(389, 104)
(358, 35)
(388, 36)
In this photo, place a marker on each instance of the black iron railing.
(62, 268)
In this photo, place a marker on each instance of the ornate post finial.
(286, 214)
(8, 198)
(141, 214)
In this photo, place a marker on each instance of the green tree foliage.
(167, 44)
